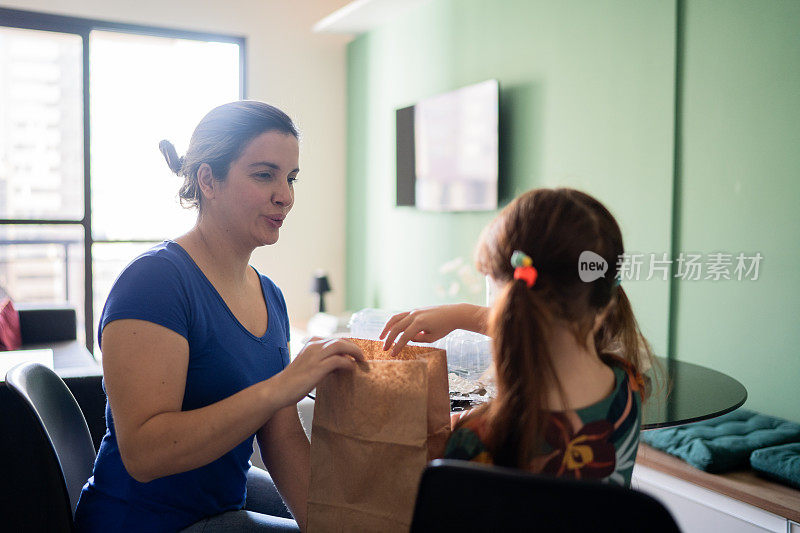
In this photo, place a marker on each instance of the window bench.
(738, 501)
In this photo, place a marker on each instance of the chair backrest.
(62, 424)
(461, 496)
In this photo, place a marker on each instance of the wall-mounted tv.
(447, 149)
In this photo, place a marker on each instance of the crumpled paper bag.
(374, 430)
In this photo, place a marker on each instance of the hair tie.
(523, 268)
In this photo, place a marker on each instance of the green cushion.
(781, 463)
(723, 443)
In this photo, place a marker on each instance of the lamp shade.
(320, 284)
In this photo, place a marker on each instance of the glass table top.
(691, 393)
(682, 393)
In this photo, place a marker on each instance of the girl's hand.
(432, 323)
(316, 360)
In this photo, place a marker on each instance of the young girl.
(568, 354)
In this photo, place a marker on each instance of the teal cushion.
(725, 442)
(781, 463)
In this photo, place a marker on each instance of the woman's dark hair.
(219, 140)
(553, 227)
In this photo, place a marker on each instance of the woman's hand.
(316, 360)
(144, 369)
(432, 323)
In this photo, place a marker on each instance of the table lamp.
(319, 286)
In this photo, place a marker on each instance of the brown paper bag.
(374, 430)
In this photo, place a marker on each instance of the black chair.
(66, 452)
(459, 496)
(54, 326)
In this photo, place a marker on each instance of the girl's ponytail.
(524, 369)
(620, 335)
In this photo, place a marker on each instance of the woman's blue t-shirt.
(166, 287)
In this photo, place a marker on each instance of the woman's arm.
(432, 323)
(286, 454)
(145, 366)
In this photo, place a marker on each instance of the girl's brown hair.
(553, 227)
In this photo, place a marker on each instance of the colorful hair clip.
(523, 268)
(520, 259)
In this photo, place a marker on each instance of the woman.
(195, 347)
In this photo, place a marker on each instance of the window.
(83, 187)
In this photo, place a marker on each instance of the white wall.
(302, 73)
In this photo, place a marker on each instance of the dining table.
(684, 392)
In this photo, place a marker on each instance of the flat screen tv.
(447, 149)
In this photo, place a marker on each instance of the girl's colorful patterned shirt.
(595, 442)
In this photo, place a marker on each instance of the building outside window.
(83, 186)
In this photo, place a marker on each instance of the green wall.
(740, 164)
(587, 99)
